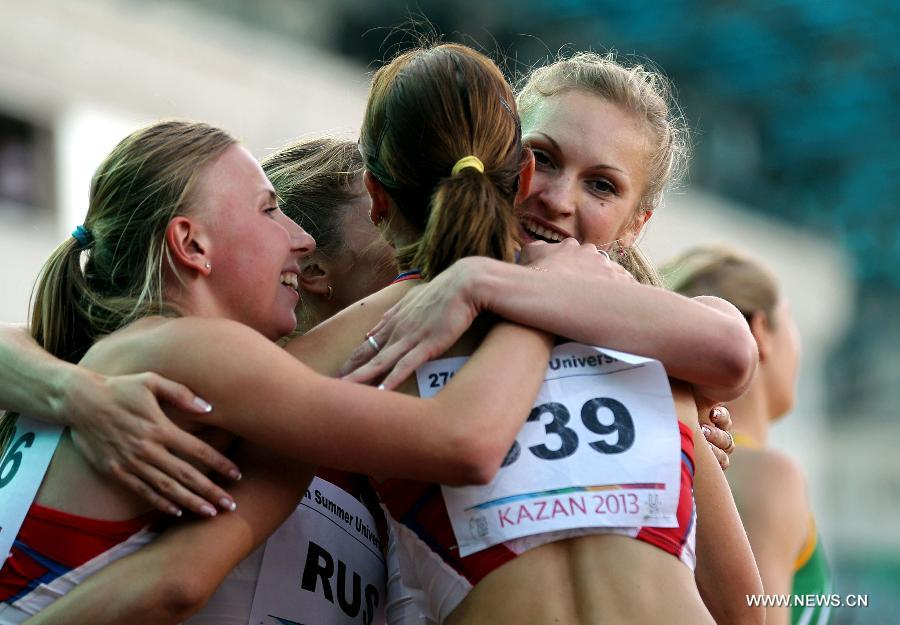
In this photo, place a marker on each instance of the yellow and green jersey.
(811, 577)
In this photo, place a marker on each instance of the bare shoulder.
(150, 344)
(685, 403)
(326, 346)
(191, 330)
(770, 492)
(769, 487)
(774, 467)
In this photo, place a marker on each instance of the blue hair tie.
(83, 236)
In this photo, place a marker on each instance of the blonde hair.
(725, 273)
(429, 108)
(639, 90)
(83, 293)
(315, 179)
(86, 291)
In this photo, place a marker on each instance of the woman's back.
(600, 578)
(571, 576)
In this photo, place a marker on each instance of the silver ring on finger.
(374, 344)
(600, 250)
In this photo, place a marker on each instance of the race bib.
(600, 448)
(324, 566)
(22, 469)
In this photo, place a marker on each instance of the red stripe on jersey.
(65, 539)
(672, 539)
(420, 507)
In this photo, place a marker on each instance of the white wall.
(92, 71)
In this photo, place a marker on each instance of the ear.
(188, 245)
(525, 177)
(633, 230)
(381, 200)
(759, 327)
(315, 277)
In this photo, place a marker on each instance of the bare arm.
(31, 380)
(173, 577)
(700, 344)
(280, 402)
(119, 425)
(459, 436)
(707, 345)
(726, 572)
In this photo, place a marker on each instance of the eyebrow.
(556, 147)
(270, 195)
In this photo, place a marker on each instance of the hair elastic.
(467, 161)
(83, 236)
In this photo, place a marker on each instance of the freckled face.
(590, 170)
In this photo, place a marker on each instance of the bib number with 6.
(22, 469)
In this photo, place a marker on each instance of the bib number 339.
(600, 448)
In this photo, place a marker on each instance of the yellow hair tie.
(467, 161)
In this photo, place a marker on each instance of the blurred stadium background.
(792, 103)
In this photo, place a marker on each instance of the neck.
(397, 230)
(187, 300)
(192, 297)
(750, 415)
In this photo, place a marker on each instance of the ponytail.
(432, 112)
(467, 216)
(58, 322)
(54, 310)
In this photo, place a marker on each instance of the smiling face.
(591, 170)
(254, 249)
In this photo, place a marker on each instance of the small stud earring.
(208, 265)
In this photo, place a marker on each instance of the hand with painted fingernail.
(718, 434)
(119, 427)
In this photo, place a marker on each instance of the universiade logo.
(478, 525)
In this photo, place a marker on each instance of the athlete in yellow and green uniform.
(811, 577)
(769, 486)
